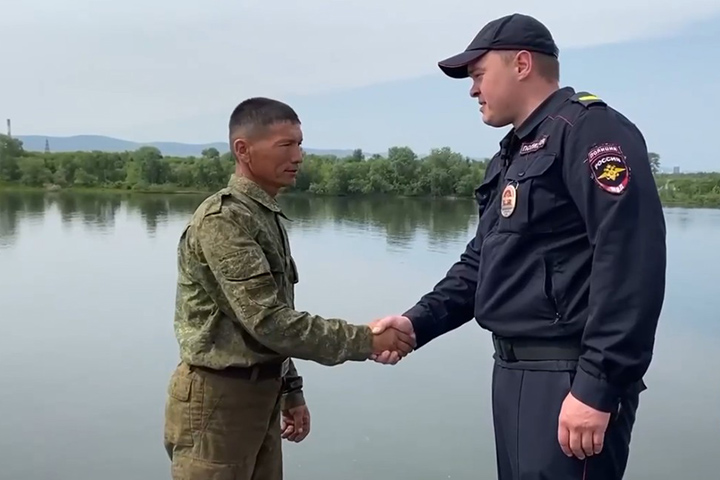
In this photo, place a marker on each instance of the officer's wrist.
(594, 392)
(421, 321)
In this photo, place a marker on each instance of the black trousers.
(526, 401)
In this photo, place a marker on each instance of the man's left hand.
(581, 429)
(296, 423)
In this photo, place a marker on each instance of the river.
(86, 305)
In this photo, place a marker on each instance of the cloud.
(81, 65)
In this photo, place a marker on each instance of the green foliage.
(654, 162)
(442, 173)
(689, 189)
(145, 169)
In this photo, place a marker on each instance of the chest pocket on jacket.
(528, 197)
(486, 199)
(484, 193)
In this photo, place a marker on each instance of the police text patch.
(608, 167)
(533, 146)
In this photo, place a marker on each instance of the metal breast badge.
(509, 199)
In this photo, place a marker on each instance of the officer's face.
(495, 87)
(272, 157)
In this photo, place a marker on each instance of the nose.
(297, 156)
(475, 87)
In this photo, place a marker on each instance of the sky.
(173, 70)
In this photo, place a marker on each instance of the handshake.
(393, 339)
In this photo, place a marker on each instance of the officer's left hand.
(581, 429)
(296, 423)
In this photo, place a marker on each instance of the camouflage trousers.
(222, 428)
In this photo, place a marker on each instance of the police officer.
(235, 318)
(567, 268)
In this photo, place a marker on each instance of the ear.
(241, 150)
(523, 64)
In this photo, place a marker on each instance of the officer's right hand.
(399, 323)
(581, 428)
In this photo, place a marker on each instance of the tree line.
(441, 173)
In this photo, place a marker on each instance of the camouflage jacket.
(235, 303)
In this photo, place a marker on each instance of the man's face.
(272, 156)
(495, 85)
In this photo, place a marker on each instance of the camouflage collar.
(243, 185)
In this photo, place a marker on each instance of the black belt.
(536, 349)
(261, 371)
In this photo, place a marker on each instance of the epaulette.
(213, 204)
(586, 99)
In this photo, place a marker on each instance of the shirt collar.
(243, 185)
(546, 108)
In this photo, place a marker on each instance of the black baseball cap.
(511, 32)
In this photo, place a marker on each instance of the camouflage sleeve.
(292, 393)
(244, 277)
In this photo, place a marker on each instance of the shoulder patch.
(586, 99)
(609, 168)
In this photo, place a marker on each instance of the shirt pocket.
(485, 197)
(527, 195)
(483, 193)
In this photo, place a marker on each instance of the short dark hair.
(260, 112)
(547, 66)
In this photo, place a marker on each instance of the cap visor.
(456, 66)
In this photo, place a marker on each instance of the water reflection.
(681, 218)
(397, 219)
(88, 281)
(11, 207)
(96, 212)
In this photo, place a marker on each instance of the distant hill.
(86, 143)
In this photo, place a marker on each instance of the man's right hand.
(391, 323)
(392, 340)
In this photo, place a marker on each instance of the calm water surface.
(86, 304)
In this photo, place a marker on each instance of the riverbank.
(676, 191)
(403, 173)
(164, 189)
(689, 190)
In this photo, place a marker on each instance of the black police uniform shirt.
(570, 243)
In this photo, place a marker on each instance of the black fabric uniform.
(567, 270)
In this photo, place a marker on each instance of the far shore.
(695, 202)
